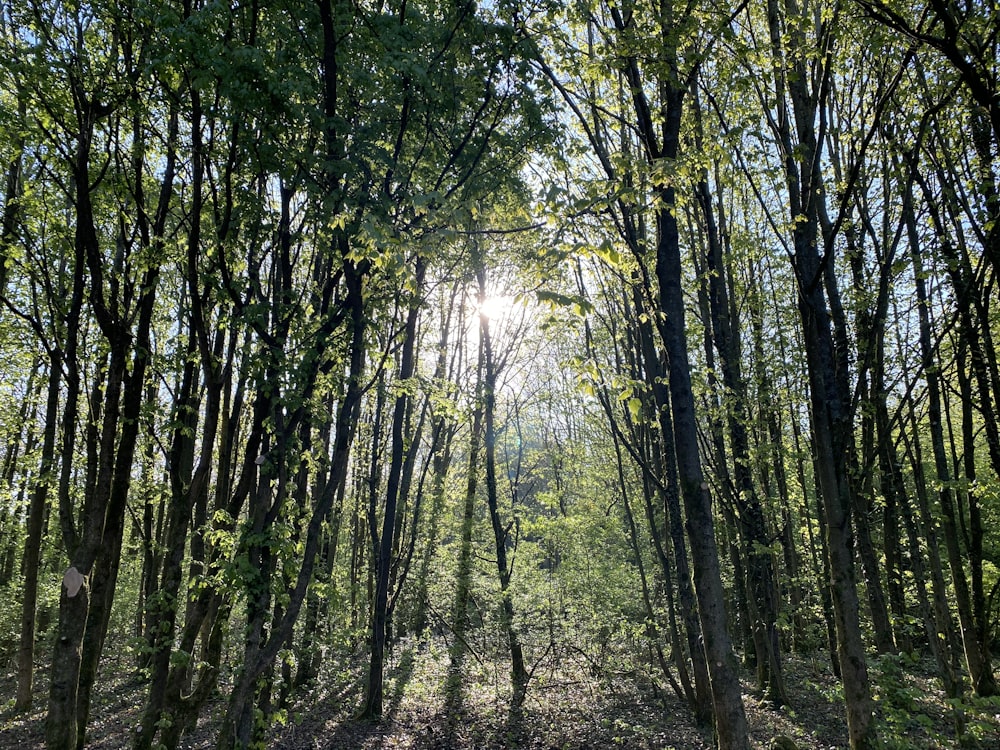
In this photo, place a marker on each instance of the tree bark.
(829, 393)
(760, 580)
(975, 655)
(33, 537)
(463, 574)
(730, 719)
(407, 366)
(501, 533)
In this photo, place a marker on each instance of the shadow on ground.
(567, 707)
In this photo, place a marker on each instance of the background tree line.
(660, 332)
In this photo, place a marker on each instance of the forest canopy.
(647, 346)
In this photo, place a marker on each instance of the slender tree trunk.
(463, 583)
(307, 653)
(407, 366)
(143, 529)
(207, 613)
(441, 463)
(985, 685)
(894, 497)
(662, 141)
(443, 432)
(761, 587)
(187, 485)
(501, 533)
(773, 460)
(829, 395)
(659, 489)
(652, 628)
(730, 719)
(942, 611)
(819, 557)
(33, 537)
(944, 642)
(860, 481)
(871, 351)
(831, 464)
(976, 659)
(671, 496)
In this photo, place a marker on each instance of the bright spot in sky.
(496, 307)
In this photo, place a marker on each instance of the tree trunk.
(443, 432)
(761, 588)
(730, 719)
(261, 648)
(501, 533)
(652, 628)
(463, 574)
(407, 366)
(975, 656)
(871, 352)
(939, 623)
(671, 497)
(187, 485)
(831, 464)
(829, 393)
(33, 538)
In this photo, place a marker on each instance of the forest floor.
(568, 705)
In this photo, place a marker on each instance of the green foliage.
(442, 145)
(901, 702)
(10, 617)
(978, 715)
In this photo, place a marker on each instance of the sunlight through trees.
(519, 346)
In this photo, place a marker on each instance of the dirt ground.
(567, 706)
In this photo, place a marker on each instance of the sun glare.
(495, 308)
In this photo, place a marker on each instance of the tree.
(657, 124)
(239, 246)
(120, 295)
(800, 93)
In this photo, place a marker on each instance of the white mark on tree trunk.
(73, 581)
